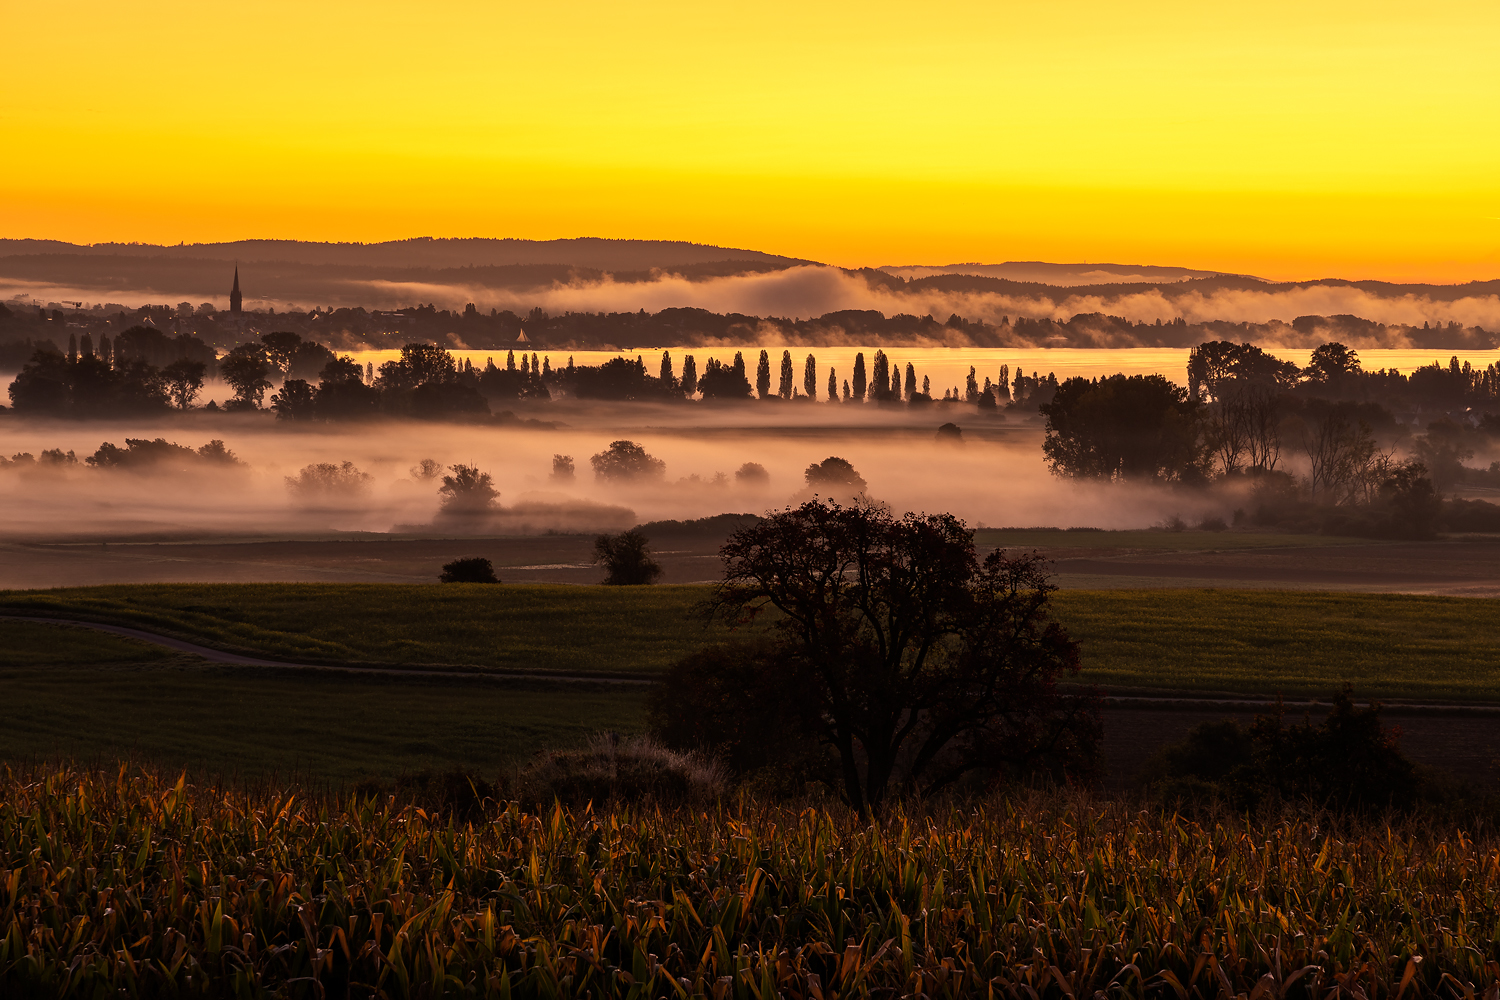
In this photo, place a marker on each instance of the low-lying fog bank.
(994, 476)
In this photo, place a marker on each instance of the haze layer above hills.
(599, 275)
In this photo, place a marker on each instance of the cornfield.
(130, 884)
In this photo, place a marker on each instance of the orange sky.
(1277, 138)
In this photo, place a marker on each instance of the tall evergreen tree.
(667, 380)
(689, 376)
(911, 381)
(846, 390)
(833, 385)
(896, 382)
(510, 361)
(860, 379)
(763, 375)
(810, 377)
(880, 377)
(739, 365)
(785, 389)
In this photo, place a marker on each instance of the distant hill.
(1065, 275)
(586, 252)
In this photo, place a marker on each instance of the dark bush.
(474, 570)
(626, 559)
(1348, 762)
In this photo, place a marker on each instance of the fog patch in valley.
(995, 478)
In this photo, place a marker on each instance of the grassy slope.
(99, 697)
(1247, 641)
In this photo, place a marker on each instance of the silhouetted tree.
(880, 377)
(833, 385)
(723, 381)
(562, 469)
(472, 570)
(763, 375)
(626, 559)
(689, 376)
(295, 401)
(665, 375)
(784, 388)
(246, 369)
(1124, 427)
(810, 377)
(923, 663)
(860, 382)
(467, 491)
(426, 470)
(184, 381)
(624, 461)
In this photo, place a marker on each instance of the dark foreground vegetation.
(125, 883)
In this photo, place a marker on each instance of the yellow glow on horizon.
(1282, 139)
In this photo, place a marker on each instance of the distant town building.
(234, 295)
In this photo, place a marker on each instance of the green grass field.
(1252, 642)
(97, 697)
(69, 693)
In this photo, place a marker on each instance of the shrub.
(753, 474)
(1213, 523)
(610, 769)
(1349, 761)
(626, 558)
(467, 491)
(473, 570)
(325, 481)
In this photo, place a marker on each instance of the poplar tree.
(689, 376)
(667, 380)
(763, 375)
(785, 389)
(860, 380)
(911, 381)
(810, 377)
(833, 385)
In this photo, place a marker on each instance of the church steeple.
(234, 294)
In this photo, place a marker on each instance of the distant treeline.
(355, 328)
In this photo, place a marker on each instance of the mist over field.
(996, 477)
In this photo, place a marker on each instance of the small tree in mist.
(426, 470)
(325, 482)
(184, 380)
(562, 469)
(810, 377)
(763, 375)
(834, 475)
(467, 490)
(473, 570)
(623, 461)
(626, 558)
(784, 390)
(753, 475)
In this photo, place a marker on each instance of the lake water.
(949, 367)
